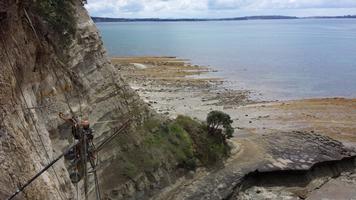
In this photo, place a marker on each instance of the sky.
(218, 8)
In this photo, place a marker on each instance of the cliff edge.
(53, 60)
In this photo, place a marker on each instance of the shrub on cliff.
(59, 14)
(208, 148)
(219, 124)
(182, 143)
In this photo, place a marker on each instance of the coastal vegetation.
(183, 142)
(219, 123)
(209, 148)
(59, 15)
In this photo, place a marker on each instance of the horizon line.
(252, 17)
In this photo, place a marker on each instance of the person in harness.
(87, 130)
(81, 131)
(89, 133)
(75, 125)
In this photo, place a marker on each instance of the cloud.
(133, 6)
(228, 4)
(204, 8)
(279, 4)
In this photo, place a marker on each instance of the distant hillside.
(335, 17)
(269, 17)
(106, 19)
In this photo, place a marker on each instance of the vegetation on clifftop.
(209, 149)
(187, 140)
(219, 124)
(59, 15)
(182, 143)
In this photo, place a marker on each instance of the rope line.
(30, 22)
(80, 97)
(72, 113)
(27, 106)
(84, 139)
(85, 147)
(65, 96)
(97, 188)
(22, 188)
(84, 152)
(101, 145)
(94, 166)
(57, 79)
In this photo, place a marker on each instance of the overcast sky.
(218, 8)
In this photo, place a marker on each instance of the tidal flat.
(270, 136)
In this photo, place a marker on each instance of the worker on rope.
(89, 133)
(79, 130)
(75, 125)
(85, 124)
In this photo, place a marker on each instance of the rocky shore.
(55, 62)
(270, 137)
(173, 86)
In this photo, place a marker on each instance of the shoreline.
(266, 133)
(163, 84)
(255, 95)
(153, 79)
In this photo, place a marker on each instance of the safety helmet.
(85, 123)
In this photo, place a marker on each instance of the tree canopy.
(220, 122)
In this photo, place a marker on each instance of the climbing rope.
(64, 93)
(27, 107)
(97, 188)
(22, 188)
(84, 150)
(59, 62)
(84, 157)
(123, 127)
(94, 166)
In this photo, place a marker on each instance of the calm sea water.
(280, 59)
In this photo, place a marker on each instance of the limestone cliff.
(47, 69)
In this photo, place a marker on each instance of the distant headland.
(263, 17)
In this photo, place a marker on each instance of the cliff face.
(43, 74)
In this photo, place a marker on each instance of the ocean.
(275, 59)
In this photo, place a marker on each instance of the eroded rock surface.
(38, 80)
(301, 150)
(289, 151)
(42, 75)
(294, 136)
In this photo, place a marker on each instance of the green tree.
(220, 123)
